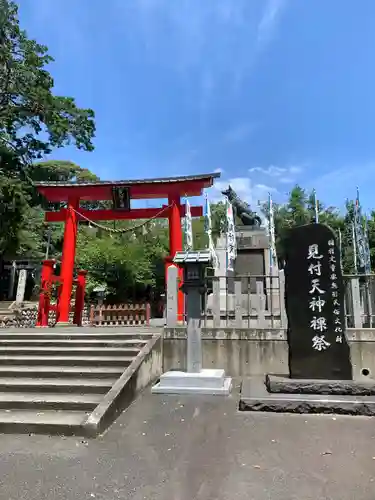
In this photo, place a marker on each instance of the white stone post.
(172, 296)
(21, 286)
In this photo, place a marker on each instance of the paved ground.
(185, 448)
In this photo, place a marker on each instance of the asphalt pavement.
(197, 448)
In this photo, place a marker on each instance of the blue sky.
(271, 92)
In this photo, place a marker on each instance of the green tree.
(125, 264)
(33, 121)
(299, 210)
(59, 171)
(218, 222)
(347, 239)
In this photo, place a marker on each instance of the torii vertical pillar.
(45, 293)
(67, 262)
(175, 245)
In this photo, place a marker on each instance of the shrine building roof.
(189, 185)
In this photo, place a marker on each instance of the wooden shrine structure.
(120, 193)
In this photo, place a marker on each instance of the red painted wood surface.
(102, 192)
(134, 213)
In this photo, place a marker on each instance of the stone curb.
(145, 368)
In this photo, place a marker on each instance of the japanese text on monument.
(334, 291)
(319, 296)
(317, 302)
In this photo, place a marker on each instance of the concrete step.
(69, 351)
(42, 422)
(78, 360)
(5, 304)
(88, 343)
(63, 372)
(52, 379)
(44, 384)
(41, 401)
(41, 334)
(87, 330)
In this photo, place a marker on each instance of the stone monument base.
(285, 395)
(276, 384)
(207, 381)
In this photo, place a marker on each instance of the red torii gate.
(172, 188)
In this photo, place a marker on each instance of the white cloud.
(295, 170)
(265, 188)
(211, 45)
(239, 133)
(268, 23)
(245, 188)
(67, 24)
(284, 175)
(272, 170)
(206, 92)
(221, 37)
(265, 33)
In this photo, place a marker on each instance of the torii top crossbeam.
(172, 188)
(190, 185)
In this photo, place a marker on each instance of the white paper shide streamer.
(360, 240)
(208, 230)
(271, 230)
(316, 208)
(231, 238)
(188, 228)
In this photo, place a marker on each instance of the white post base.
(206, 381)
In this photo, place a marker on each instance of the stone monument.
(314, 293)
(321, 379)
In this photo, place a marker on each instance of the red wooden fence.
(120, 315)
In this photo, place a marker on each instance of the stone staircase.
(51, 380)
(5, 308)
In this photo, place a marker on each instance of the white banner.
(271, 231)
(188, 228)
(231, 238)
(208, 229)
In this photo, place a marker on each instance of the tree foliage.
(300, 209)
(33, 122)
(125, 264)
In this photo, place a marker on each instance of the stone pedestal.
(206, 381)
(253, 259)
(252, 253)
(196, 380)
(283, 395)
